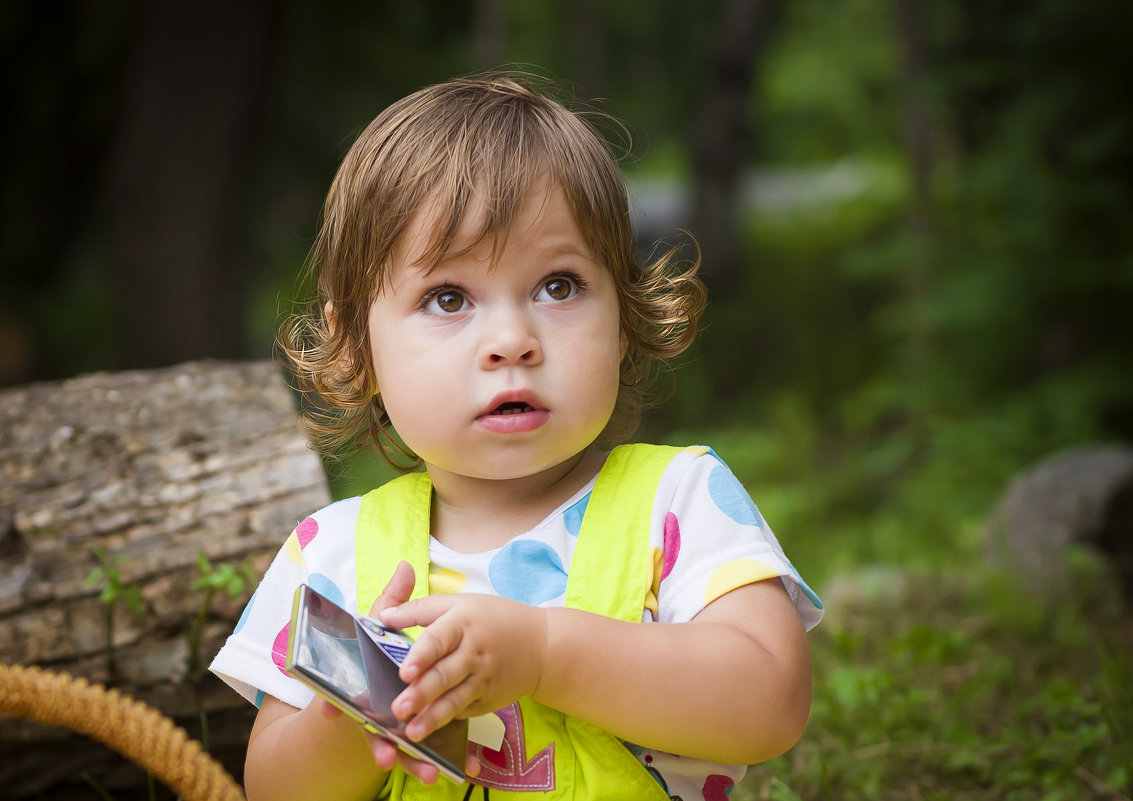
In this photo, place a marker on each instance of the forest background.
(914, 218)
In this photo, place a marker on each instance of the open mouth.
(513, 407)
(514, 412)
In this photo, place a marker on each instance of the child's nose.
(511, 340)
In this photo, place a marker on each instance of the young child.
(478, 292)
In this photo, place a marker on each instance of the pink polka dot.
(672, 544)
(306, 531)
(717, 787)
(279, 649)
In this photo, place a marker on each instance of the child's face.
(499, 371)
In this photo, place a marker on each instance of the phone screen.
(353, 664)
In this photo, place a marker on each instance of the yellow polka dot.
(651, 596)
(699, 450)
(293, 549)
(443, 581)
(736, 574)
(658, 567)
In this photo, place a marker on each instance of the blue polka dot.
(732, 498)
(573, 516)
(807, 591)
(811, 594)
(326, 588)
(529, 572)
(244, 615)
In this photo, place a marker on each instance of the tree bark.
(155, 467)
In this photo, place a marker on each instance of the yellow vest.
(611, 573)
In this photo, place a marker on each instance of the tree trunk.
(490, 32)
(916, 273)
(720, 140)
(588, 48)
(155, 468)
(173, 177)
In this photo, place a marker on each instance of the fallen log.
(120, 493)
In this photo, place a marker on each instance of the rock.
(1081, 497)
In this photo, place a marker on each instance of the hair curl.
(492, 136)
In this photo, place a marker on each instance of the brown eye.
(558, 289)
(447, 301)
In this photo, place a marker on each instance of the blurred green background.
(915, 220)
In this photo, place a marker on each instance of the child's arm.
(317, 752)
(309, 753)
(732, 686)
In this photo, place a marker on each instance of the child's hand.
(386, 753)
(478, 653)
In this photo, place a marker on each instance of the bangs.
(486, 152)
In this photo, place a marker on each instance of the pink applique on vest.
(509, 768)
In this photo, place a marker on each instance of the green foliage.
(940, 694)
(232, 580)
(826, 90)
(115, 591)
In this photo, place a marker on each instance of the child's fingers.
(397, 591)
(421, 612)
(384, 751)
(387, 755)
(435, 665)
(449, 705)
(437, 642)
(422, 771)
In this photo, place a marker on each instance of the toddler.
(626, 613)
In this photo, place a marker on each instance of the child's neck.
(471, 515)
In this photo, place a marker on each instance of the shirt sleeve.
(714, 540)
(320, 553)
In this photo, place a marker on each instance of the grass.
(963, 687)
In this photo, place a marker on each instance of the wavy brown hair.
(491, 136)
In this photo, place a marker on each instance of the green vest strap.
(612, 567)
(393, 527)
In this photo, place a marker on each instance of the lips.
(514, 412)
(513, 401)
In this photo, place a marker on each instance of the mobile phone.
(352, 663)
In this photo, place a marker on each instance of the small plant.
(230, 579)
(115, 592)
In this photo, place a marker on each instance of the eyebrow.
(569, 249)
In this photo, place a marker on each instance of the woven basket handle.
(136, 730)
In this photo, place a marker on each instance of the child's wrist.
(541, 637)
